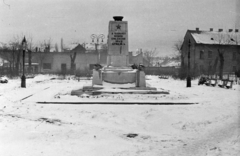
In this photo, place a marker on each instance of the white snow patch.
(208, 128)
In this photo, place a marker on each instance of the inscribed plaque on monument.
(118, 38)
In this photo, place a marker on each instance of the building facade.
(209, 50)
(60, 62)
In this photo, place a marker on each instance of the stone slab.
(119, 77)
(128, 91)
(117, 60)
(97, 77)
(132, 90)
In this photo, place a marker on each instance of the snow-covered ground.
(211, 127)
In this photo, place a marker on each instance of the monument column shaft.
(118, 43)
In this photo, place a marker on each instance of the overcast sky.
(152, 23)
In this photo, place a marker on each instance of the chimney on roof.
(220, 30)
(230, 30)
(236, 30)
(211, 29)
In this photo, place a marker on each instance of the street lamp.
(24, 47)
(97, 37)
(188, 72)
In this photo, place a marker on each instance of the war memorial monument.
(118, 70)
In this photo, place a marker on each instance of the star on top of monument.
(118, 26)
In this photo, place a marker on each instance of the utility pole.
(23, 79)
(188, 72)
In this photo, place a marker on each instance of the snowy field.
(209, 128)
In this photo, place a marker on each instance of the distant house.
(210, 49)
(58, 62)
(79, 49)
(74, 59)
(136, 59)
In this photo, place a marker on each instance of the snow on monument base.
(119, 76)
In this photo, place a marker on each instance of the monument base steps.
(97, 90)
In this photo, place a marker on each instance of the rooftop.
(216, 37)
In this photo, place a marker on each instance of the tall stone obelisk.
(118, 43)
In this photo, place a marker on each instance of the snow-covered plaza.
(209, 126)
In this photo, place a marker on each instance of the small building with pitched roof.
(208, 50)
(60, 62)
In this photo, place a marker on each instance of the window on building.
(234, 68)
(47, 66)
(201, 54)
(234, 56)
(210, 54)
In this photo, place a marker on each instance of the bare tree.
(46, 45)
(15, 56)
(73, 57)
(221, 61)
(11, 52)
(235, 38)
(214, 70)
(221, 39)
(6, 54)
(177, 47)
(149, 56)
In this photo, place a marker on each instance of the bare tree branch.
(149, 56)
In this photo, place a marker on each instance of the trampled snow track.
(33, 94)
(120, 103)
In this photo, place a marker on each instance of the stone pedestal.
(97, 77)
(117, 60)
(119, 75)
(140, 79)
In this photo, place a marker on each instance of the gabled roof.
(210, 37)
(79, 48)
